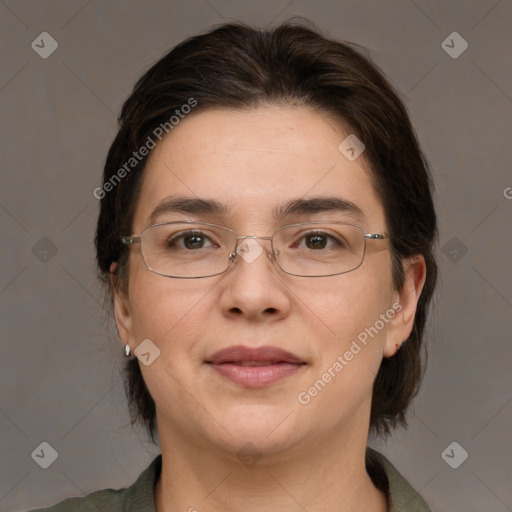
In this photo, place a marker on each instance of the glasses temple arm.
(131, 239)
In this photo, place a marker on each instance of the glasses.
(191, 250)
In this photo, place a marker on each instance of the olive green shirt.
(140, 497)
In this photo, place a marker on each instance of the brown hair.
(235, 66)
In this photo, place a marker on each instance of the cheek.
(345, 305)
(164, 309)
(170, 314)
(348, 360)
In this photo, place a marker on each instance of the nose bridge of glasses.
(250, 237)
(248, 253)
(244, 237)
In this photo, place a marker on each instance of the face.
(337, 328)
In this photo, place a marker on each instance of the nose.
(253, 288)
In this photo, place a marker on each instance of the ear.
(400, 327)
(122, 310)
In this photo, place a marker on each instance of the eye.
(316, 241)
(190, 240)
(320, 240)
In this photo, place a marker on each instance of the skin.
(312, 456)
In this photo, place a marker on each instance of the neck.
(316, 478)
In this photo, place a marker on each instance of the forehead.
(253, 162)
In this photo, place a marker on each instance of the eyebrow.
(191, 205)
(294, 207)
(320, 204)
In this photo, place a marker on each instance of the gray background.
(60, 358)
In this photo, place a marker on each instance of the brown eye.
(316, 241)
(190, 240)
(195, 241)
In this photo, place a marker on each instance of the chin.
(265, 429)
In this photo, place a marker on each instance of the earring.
(127, 350)
(399, 345)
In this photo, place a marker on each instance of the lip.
(255, 367)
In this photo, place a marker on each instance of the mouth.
(254, 363)
(255, 367)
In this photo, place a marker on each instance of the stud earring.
(399, 345)
(127, 350)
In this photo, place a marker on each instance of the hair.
(235, 66)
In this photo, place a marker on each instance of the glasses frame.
(137, 239)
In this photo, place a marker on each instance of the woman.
(266, 233)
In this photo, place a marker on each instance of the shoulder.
(402, 496)
(108, 499)
(139, 497)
